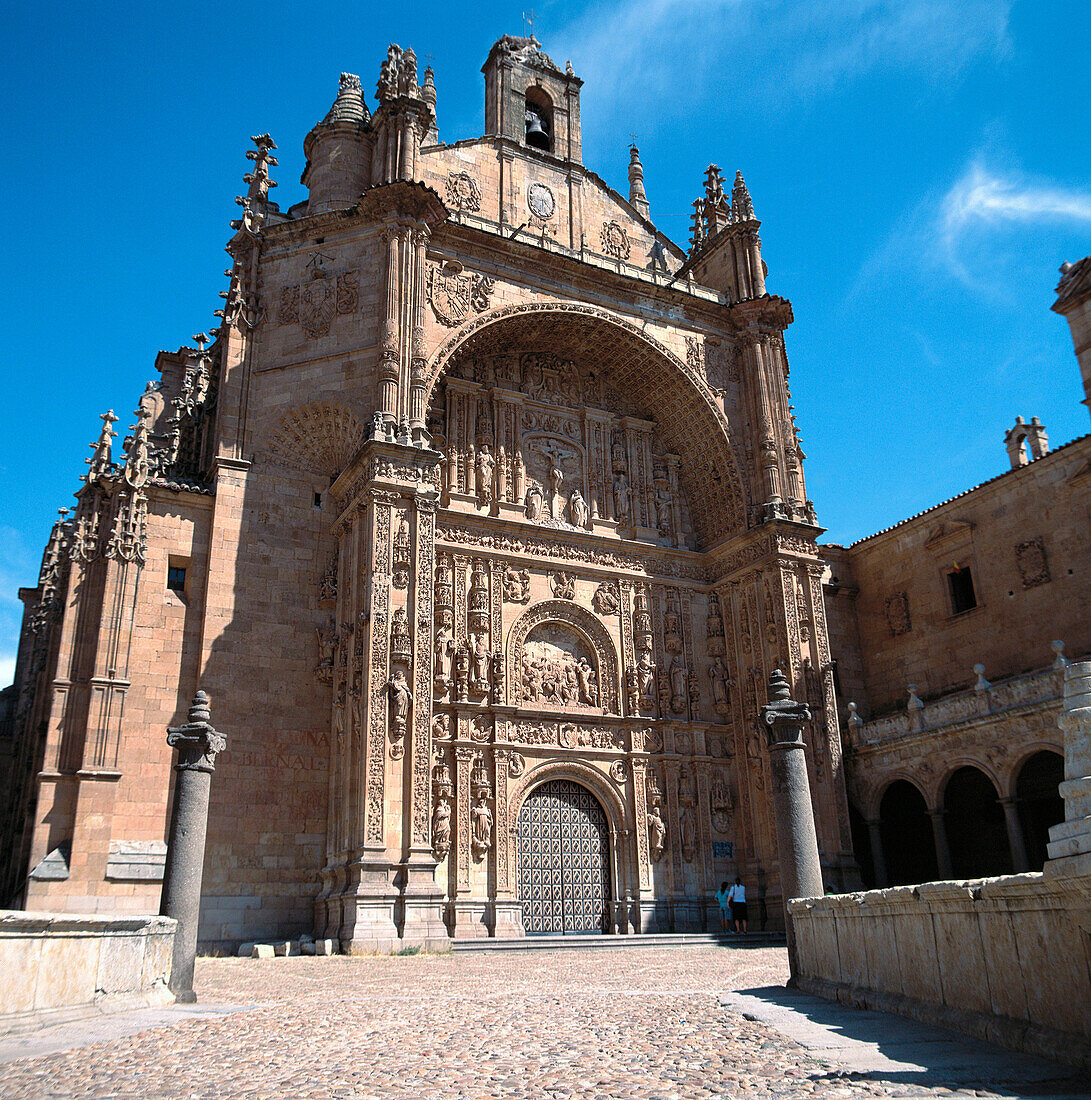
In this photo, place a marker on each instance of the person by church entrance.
(738, 906)
(723, 896)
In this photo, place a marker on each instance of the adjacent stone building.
(482, 521)
(950, 631)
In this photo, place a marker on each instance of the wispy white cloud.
(7, 669)
(984, 204)
(769, 52)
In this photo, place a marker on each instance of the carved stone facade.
(463, 498)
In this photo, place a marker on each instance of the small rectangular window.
(318, 500)
(960, 583)
(176, 578)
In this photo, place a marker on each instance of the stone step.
(668, 939)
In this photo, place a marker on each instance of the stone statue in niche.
(481, 817)
(327, 650)
(400, 699)
(687, 833)
(535, 503)
(441, 828)
(444, 649)
(496, 690)
(622, 495)
(480, 657)
(632, 689)
(721, 686)
(578, 513)
(516, 585)
(486, 467)
(679, 683)
(645, 669)
(663, 509)
(564, 585)
(657, 831)
(721, 803)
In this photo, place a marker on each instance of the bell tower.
(530, 101)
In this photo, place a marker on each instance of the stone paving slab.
(608, 1025)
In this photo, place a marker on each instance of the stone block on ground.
(246, 951)
(262, 951)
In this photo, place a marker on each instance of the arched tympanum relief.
(560, 657)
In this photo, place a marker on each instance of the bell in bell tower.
(529, 100)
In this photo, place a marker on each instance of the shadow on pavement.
(862, 1045)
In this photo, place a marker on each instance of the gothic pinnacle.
(638, 198)
(742, 209)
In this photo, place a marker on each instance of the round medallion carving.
(540, 201)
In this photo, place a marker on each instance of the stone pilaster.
(1070, 842)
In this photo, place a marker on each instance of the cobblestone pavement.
(628, 1023)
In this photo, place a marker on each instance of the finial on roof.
(742, 208)
(638, 197)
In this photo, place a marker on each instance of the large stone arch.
(581, 620)
(686, 411)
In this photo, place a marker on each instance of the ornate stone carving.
(607, 598)
(454, 294)
(516, 585)
(443, 649)
(517, 764)
(441, 727)
(687, 832)
(563, 585)
(484, 473)
(321, 437)
(720, 680)
(619, 771)
(615, 241)
(462, 192)
(1030, 557)
(714, 628)
(481, 817)
(323, 295)
(721, 803)
(403, 562)
(679, 685)
(441, 827)
(401, 642)
(897, 614)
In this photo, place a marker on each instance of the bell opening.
(538, 127)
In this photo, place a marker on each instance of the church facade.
(482, 521)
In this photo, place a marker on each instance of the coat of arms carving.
(454, 294)
(314, 303)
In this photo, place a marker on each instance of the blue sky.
(921, 169)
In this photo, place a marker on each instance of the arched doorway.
(908, 840)
(562, 851)
(976, 831)
(1040, 804)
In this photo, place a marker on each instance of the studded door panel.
(562, 850)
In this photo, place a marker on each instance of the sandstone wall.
(1005, 959)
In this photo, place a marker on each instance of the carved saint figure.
(686, 833)
(645, 668)
(657, 831)
(444, 648)
(721, 685)
(441, 827)
(679, 686)
(462, 673)
(486, 464)
(621, 497)
(516, 584)
(632, 688)
(480, 657)
(578, 512)
(586, 676)
(400, 698)
(663, 510)
(532, 678)
(481, 817)
(534, 503)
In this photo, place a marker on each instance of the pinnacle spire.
(349, 106)
(638, 197)
(742, 207)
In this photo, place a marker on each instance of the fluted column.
(1016, 842)
(391, 342)
(878, 855)
(417, 355)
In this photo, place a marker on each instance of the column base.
(1070, 838)
(471, 919)
(422, 906)
(654, 916)
(368, 907)
(508, 920)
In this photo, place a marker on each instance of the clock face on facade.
(540, 200)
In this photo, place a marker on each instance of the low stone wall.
(60, 966)
(1005, 959)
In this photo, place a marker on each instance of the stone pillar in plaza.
(797, 842)
(197, 744)
(943, 849)
(1070, 842)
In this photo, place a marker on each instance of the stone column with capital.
(1070, 842)
(197, 744)
(943, 849)
(797, 843)
(878, 855)
(1019, 860)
